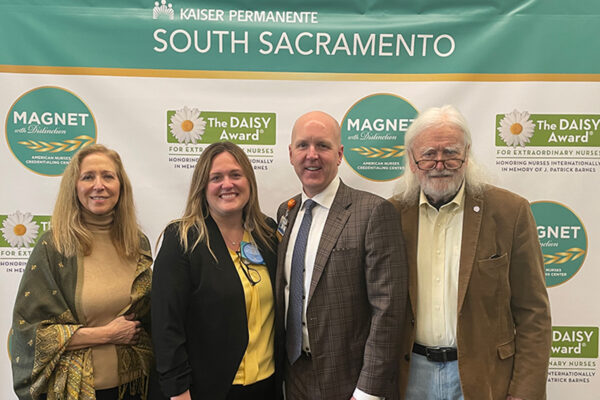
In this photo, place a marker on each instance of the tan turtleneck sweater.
(106, 292)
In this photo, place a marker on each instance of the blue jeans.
(429, 380)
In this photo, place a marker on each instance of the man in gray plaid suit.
(341, 285)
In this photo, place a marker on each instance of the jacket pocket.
(506, 350)
(494, 276)
(494, 262)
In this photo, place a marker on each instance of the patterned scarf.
(45, 317)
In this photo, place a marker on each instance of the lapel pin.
(476, 208)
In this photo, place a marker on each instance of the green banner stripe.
(483, 40)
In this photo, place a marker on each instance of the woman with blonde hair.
(80, 322)
(212, 294)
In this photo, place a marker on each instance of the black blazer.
(199, 324)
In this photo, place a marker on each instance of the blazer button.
(412, 322)
(407, 357)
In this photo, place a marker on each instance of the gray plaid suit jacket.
(358, 295)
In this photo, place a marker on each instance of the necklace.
(234, 243)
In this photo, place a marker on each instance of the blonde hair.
(69, 232)
(196, 209)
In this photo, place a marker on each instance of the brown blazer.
(504, 329)
(358, 295)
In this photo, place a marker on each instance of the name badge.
(250, 252)
(283, 222)
(282, 226)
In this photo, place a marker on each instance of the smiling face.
(440, 142)
(98, 186)
(316, 151)
(228, 190)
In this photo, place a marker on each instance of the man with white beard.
(479, 315)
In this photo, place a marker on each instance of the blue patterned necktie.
(296, 297)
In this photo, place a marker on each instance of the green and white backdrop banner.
(158, 81)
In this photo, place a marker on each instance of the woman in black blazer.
(212, 291)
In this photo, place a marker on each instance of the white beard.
(439, 190)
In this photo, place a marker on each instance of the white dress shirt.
(319, 216)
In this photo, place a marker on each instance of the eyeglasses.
(428, 165)
(252, 274)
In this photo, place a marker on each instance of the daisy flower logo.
(187, 126)
(516, 128)
(19, 229)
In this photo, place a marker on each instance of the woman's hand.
(121, 330)
(183, 396)
(124, 330)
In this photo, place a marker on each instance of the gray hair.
(408, 188)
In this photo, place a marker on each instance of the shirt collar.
(455, 203)
(325, 198)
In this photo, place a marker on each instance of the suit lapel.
(291, 217)
(336, 220)
(410, 230)
(473, 213)
(282, 249)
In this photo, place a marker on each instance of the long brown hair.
(70, 233)
(196, 209)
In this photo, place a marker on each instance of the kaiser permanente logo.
(563, 239)
(46, 126)
(547, 143)
(373, 135)
(574, 342)
(163, 10)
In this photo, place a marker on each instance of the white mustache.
(440, 175)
